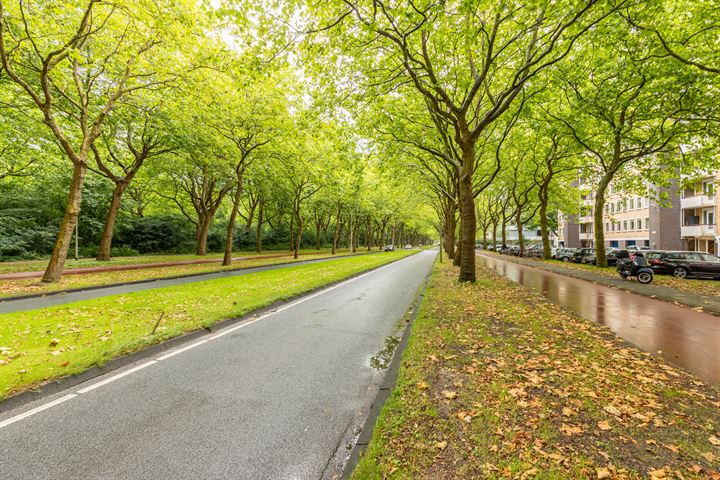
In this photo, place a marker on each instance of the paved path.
(708, 303)
(138, 266)
(52, 299)
(683, 336)
(269, 399)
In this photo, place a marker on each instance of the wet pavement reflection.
(685, 337)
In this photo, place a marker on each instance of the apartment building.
(628, 220)
(699, 207)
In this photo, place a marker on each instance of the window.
(632, 204)
(639, 202)
(624, 226)
(612, 208)
(647, 223)
(632, 224)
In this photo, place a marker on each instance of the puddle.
(381, 360)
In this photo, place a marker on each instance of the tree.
(469, 61)
(73, 64)
(132, 137)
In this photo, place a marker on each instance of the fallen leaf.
(422, 385)
(604, 425)
(441, 445)
(612, 410)
(570, 430)
(714, 440)
(449, 394)
(54, 342)
(567, 411)
(603, 473)
(658, 474)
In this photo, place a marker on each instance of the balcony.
(694, 231)
(586, 219)
(698, 201)
(587, 236)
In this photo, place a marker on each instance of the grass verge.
(498, 383)
(10, 288)
(42, 344)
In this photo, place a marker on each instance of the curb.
(655, 292)
(52, 387)
(173, 277)
(386, 387)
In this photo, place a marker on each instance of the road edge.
(387, 386)
(52, 387)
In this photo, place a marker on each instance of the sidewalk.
(707, 303)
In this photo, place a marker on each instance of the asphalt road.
(273, 398)
(52, 299)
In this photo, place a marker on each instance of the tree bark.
(258, 230)
(468, 225)
(202, 234)
(109, 228)
(317, 236)
(600, 253)
(229, 237)
(544, 229)
(296, 253)
(56, 264)
(521, 237)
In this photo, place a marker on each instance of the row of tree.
(500, 106)
(177, 108)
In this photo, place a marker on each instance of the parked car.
(408, 247)
(635, 248)
(581, 253)
(686, 264)
(533, 251)
(565, 254)
(612, 256)
(389, 248)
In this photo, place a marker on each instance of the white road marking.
(116, 377)
(35, 410)
(172, 353)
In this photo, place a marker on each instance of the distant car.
(612, 256)
(635, 248)
(565, 254)
(389, 248)
(686, 264)
(581, 253)
(408, 246)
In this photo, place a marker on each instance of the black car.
(612, 257)
(686, 264)
(580, 253)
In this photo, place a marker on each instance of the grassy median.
(498, 383)
(47, 343)
(10, 288)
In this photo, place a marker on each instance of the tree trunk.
(317, 236)
(336, 236)
(494, 235)
(292, 234)
(451, 226)
(296, 253)
(258, 231)
(381, 241)
(521, 238)
(544, 229)
(600, 253)
(67, 225)
(227, 258)
(467, 225)
(109, 228)
(202, 235)
(503, 232)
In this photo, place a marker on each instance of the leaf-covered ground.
(10, 288)
(498, 383)
(47, 343)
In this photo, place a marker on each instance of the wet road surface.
(685, 337)
(273, 398)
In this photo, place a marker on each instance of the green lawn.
(497, 382)
(10, 288)
(42, 344)
(39, 265)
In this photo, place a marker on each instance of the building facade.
(699, 207)
(628, 220)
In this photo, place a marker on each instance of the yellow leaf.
(603, 473)
(449, 394)
(441, 445)
(604, 425)
(714, 440)
(422, 385)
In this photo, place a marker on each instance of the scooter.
(629, 268)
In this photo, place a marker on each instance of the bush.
(156, 234)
